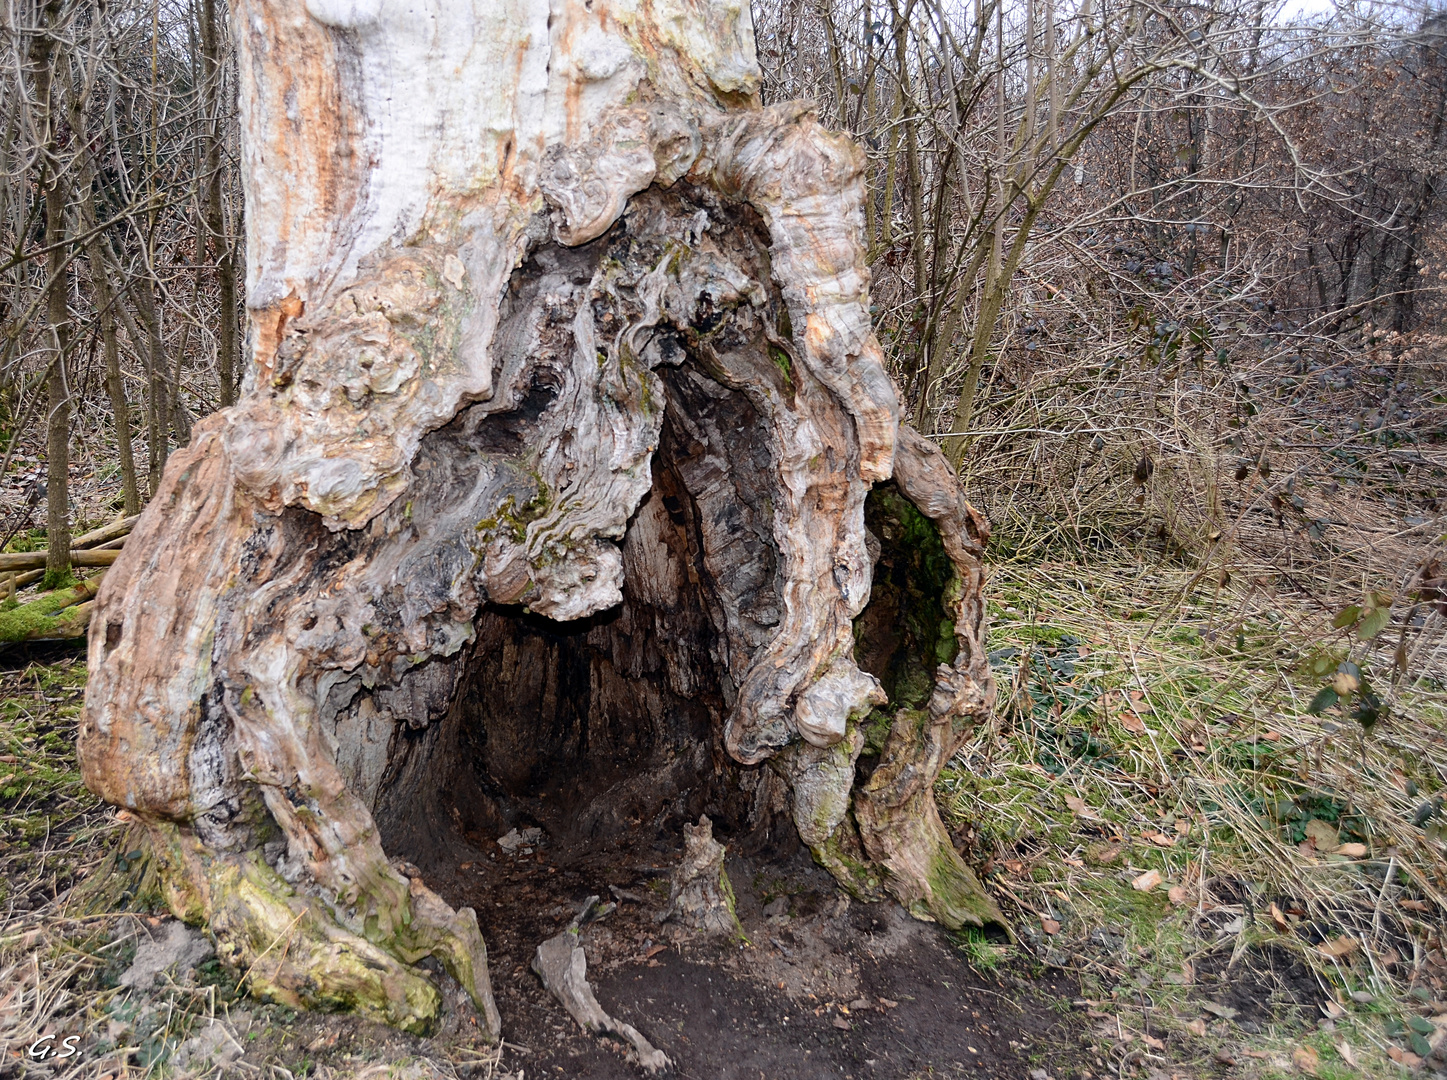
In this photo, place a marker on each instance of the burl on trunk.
(565, 439)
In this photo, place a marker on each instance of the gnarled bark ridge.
(497, 256)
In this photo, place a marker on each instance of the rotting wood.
(579, 338)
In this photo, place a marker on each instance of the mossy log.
(53, 616)
(551, 474)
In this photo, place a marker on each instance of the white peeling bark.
(446, 407)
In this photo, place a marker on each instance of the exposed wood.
(557, 439)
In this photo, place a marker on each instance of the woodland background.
(1166, 281)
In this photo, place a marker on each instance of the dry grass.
(1174, 537)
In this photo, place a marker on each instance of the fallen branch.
(105, 534)
(107, 538)
(35, 560)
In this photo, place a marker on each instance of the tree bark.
(210, 27)
(564, 456)
(43, 61)
(158, 382)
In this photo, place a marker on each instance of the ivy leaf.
(1369, 709)
(1325, 698)
(1374, 621)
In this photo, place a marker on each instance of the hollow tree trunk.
(564, 451)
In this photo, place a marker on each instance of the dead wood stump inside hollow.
(566, 460)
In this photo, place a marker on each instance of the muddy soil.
(820, 986)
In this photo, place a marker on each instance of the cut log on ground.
(12, 561)
(566, 476)
(107, 538)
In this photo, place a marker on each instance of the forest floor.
(1205, 881)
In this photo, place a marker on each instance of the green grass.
(1129, 738)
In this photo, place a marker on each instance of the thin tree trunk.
(215, 212)
(106, 303)
(105, 300)
(43, 60)
(158, 389)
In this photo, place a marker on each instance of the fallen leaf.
(1396, 1053)
(1225, 1012)
(1050, 926)
(1154, 1044)
(1183, 827)
(1306, 1059)
(651, 953)
(1414, 905)
(1131, 722)
(1147, 881)
(841, 1023)
(1196, 1027)
(1323, 835)
(1332, 1010)
(1161, 839)
(1344, 1049)
(1177, 894)
(889, 1004)
(1271, 736)
(1224, 1058)
(1278, 920)
(1336, 949)
(1079, 807)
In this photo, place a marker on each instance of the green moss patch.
(906, 631)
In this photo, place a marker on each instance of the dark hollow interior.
(606, 732)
